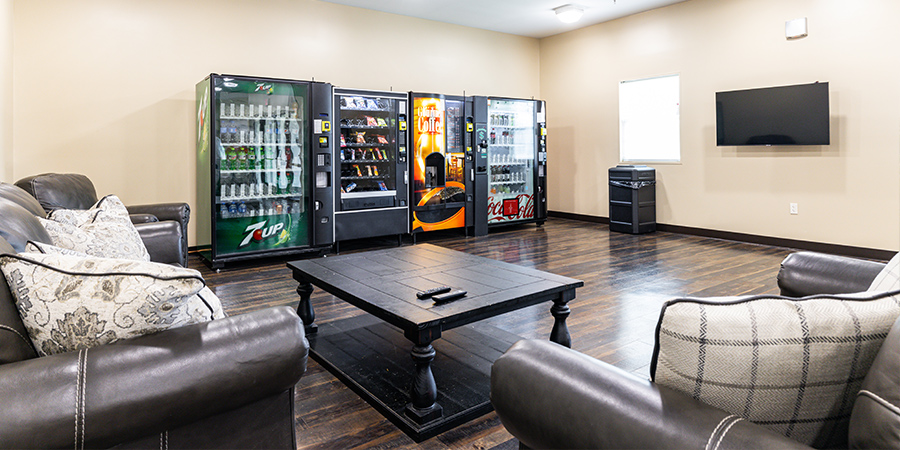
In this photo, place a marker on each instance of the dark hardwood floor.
(613, 318)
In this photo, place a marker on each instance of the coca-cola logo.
(496, 210)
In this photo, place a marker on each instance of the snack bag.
(382, 139)
(381, 186)
(370, 121)
(381, 122)
(361, 138)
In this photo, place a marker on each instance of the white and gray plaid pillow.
(792, 365)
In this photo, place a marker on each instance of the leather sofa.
(549, 396)
(228, 383)
(162, 226)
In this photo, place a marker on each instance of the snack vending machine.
(264, 167)
(439, 197)
(372, 199)
(515, 135)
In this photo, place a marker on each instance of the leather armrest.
(115, 393)
(164, 242)
(809, 273)
(549, 396)
(179, 212)
(142, 218)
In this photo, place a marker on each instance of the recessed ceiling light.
(568, 13)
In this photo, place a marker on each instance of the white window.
(649, 124)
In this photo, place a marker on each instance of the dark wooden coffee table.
(367, 353)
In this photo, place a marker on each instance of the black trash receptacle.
(632, 199)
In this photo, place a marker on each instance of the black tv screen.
(784, 115)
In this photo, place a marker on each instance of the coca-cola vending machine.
(264, 167)
(511, 139)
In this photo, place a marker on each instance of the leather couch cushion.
(69, 302)
(60, 190)
(14, 343)
(22, 198)
(18, 226)
(792, 365)
(875, 422)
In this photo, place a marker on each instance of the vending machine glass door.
(511, 160)
(261, 181)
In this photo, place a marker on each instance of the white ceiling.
(533, 18)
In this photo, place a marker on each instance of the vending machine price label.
(402, 125)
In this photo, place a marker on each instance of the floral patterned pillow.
(70, 302)
(104, 230)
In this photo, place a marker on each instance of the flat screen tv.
(783, 115)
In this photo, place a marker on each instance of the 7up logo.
(258, 232)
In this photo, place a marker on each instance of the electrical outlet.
(794, 210)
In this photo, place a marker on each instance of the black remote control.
(432, 291)
(452, 295)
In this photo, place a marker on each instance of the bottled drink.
(242, 158)
(279, 158)
(232, 209)
(223, 211)
(288, 157)
(493, 136)
(282, 183)
(232, 157)
(289, 181)
(251, 158)
(242, 209)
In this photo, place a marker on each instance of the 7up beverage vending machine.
(264, 168)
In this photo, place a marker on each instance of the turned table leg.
(305, 309)
(423, 406)
(560, 311)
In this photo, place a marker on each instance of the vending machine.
(514, 133)
(372, 198)
(264, 167)
(438, 154)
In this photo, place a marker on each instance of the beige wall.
(6, 89)
(848, 192)
(106, 87)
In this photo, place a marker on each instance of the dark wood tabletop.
(384, 283)
(369, 354)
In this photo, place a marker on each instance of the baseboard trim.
(835, 249)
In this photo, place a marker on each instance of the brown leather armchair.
(228, 383)
(549, 396)
(76, 191)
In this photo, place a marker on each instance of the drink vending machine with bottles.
(372, 199)
(438, 141)
(263, 167)
(514, 134)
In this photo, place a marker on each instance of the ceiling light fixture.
(568, 13)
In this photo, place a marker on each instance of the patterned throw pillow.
(69, 302)
(889, 277)
(104, 230)
(792, 365)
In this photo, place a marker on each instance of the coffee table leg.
(560, 311)
(305, 309)
(423, 407)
